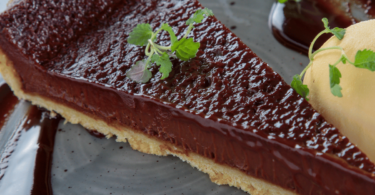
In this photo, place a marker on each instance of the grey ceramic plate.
(99, 166)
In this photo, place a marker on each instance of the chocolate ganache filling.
(226, 104)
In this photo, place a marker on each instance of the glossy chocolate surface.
(226, 104)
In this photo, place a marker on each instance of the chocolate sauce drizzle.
(7, 103)
(295, 24)
(43, 163)
(95, 133)
(25, 162)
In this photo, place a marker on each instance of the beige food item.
(354, 113)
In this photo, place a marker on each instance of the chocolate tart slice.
(226, 112)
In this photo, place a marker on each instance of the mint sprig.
(139, 72)
(299, 87)
(284, 1)
(338, 32)
(164, 63)
(363, 59)
(140, 35)
(334, 80)
(199, 16)
(183, 49)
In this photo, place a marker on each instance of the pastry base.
(219, 174)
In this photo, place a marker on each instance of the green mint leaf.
(284, 1)
(325, 23)
(185, 48)
(334, 80)
(343, 59)
(164, 62)
(365, 59)
(169, 29)
(299, 87)
(199, 16)
(336, 90)
(338, 32)
(139, 72)
(140, 34)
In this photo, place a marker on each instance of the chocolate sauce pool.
(7, 103)
(295, 24)
(25, 162)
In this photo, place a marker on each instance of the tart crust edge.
(219, 174)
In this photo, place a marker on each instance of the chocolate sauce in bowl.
(369, 6)
(295, 24)
(25, 162)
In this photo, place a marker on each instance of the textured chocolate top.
(226, 82)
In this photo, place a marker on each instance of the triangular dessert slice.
(225, 112)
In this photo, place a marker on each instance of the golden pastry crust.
(220, 174)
